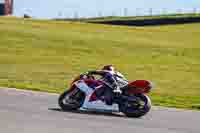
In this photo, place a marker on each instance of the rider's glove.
(88, 73)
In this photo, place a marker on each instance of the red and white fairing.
(91, 101)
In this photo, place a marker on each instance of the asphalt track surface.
(34, 112)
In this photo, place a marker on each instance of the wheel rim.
(140, 105)
(68, 101)
(71, 99)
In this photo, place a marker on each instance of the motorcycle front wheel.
(136, 107)
(71, 99)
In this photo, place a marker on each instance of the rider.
(109, 76)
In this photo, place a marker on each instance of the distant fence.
(129, 12)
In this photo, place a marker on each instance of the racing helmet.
(108, 68)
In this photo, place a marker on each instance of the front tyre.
(136, 108)
(71, 99)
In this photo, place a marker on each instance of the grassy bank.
(46, 55)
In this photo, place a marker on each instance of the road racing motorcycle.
(132, 101)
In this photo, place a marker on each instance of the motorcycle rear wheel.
(138, 108)
(69, 101)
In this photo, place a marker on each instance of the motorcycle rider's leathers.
(113, 82)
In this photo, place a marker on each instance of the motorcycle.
(82, 95)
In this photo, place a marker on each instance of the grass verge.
(45, 56)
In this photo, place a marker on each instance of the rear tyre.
(71, 99)
(136, 108)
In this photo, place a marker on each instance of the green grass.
(46, 55)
